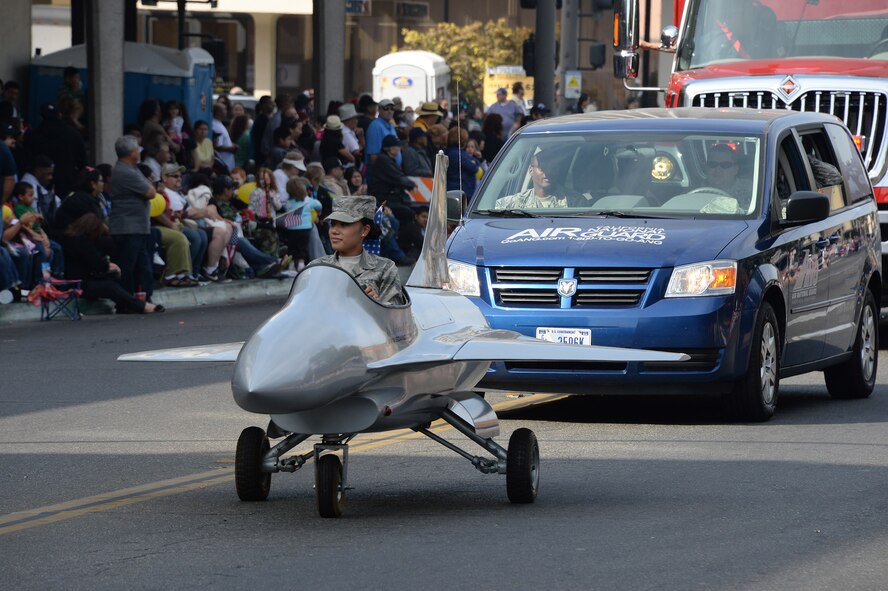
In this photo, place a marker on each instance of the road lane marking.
(29, 518)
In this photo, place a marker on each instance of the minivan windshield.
(625, 174)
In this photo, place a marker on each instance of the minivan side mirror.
(455, 204)
(806, 206)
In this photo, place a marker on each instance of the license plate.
(568, 336)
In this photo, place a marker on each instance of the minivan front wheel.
(753, 398)
(856, 377)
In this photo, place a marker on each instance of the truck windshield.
(735, 30)
(629, 174)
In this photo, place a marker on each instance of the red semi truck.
(804, 55)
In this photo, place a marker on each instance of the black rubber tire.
(753, 398)
(523, 467)
(251, 482)
(328, 486)
(856, 377)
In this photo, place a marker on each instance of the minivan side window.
(848, 155)
(824, 168)
(790, 176)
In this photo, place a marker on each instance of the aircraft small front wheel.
(523, 467)
(328, 486)
(251, 482)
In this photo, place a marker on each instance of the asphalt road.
(118, 476)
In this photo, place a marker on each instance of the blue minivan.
(746, 239)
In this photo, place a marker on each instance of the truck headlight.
(463, 278)
(703, 279)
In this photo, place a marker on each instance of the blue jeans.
(27, 265)
(9, 276)
(57, 263)
(134, 260)
(197, 242)
(257, 259)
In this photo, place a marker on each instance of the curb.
(171, 298)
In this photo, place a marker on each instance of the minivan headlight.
(703, 279)
(463, 278)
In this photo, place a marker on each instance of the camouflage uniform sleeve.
(390, 290)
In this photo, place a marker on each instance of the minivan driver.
(544, 191)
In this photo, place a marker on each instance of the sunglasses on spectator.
(388, 108)
(724, 165)
(174, 175)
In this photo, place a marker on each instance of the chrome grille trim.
(527, 275)
(862, 103)
(605, 275)
(609, 297)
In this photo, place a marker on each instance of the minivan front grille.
(601, 287)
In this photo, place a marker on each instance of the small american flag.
(375, 246)
(293, 217)
(231, 247)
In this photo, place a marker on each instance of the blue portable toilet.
(150, 71)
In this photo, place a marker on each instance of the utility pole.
(544, 76)
(568, 58)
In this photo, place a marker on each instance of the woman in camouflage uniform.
(350, 224)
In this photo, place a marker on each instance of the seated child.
(33, 235)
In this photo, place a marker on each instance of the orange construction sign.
(423, 191)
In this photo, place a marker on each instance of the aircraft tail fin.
(224, 352)
(431, 267)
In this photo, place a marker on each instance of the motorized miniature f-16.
(366, 367)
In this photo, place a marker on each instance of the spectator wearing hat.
(42, 179)
(334, 178)
(380, 128)
(179, 211)
(352, 133)
(175, 245)
(129, 221)
(388, 182)
(8, 168)
(508, 110)
(427, 115)
(367, 109)
(416, 159)
(62, 144)
(351, 222)
(291, 167)
(539, 111)
(332, 144)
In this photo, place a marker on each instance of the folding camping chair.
(57, 296)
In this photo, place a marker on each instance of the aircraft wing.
(521, 348)
(502, 345)
(226, 352)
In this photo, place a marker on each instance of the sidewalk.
(178, 298)
(171, 298)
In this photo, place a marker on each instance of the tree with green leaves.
(469, 50)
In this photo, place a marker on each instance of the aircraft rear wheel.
(251, 482)
(328, 486)
(523, 467)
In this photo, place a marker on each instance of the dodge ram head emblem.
(567, 287)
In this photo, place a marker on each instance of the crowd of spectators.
(240, 196)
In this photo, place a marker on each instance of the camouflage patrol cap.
(353, 209)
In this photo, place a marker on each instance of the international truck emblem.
(789, 88)
(567, 287)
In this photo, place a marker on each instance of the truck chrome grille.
(597, 287)
(864, 111)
